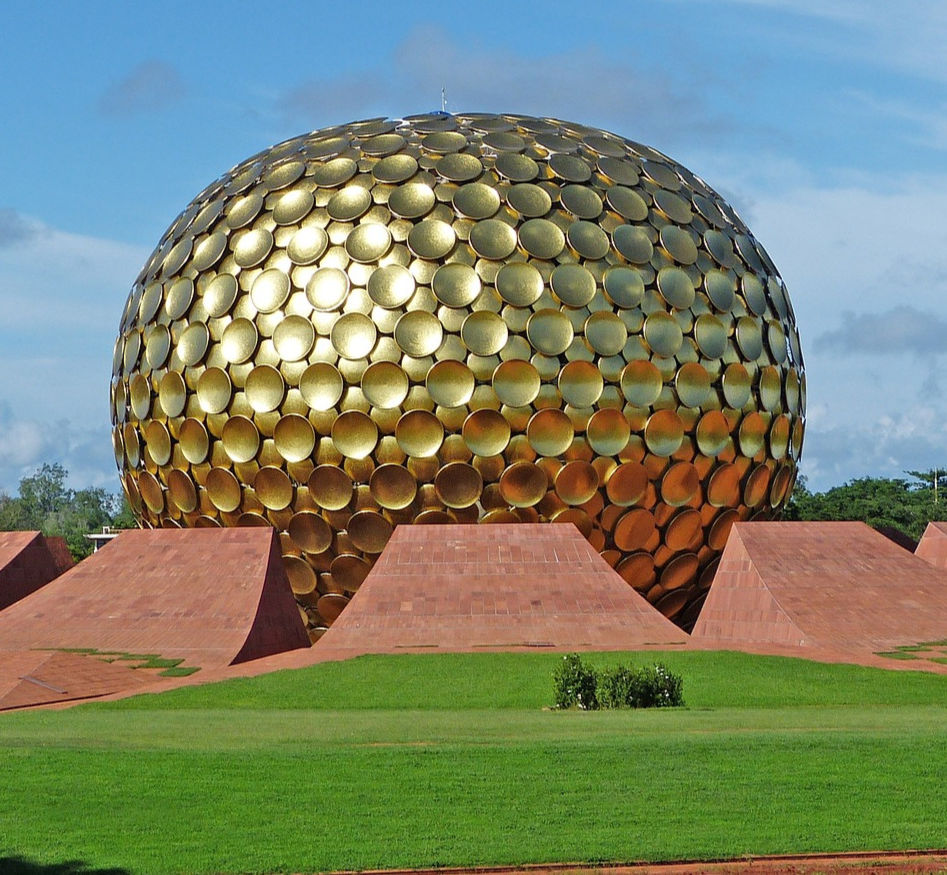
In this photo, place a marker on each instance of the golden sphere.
(461, 318)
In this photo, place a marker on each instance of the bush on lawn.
(579, 686)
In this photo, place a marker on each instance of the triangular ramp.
(213, 597)
(932, 547)
(36, 677)
(501, 587)
(27, 563)
(835, 585)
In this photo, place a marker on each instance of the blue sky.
(824, 124)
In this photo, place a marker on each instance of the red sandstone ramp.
(211, 596)
(932, 547)
(821, 584)
(38, 677)
(26, 564)
(452, 588)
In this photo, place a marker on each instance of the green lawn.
(426, 760)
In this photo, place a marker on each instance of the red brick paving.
(28, 561)
(458, 588)
(862, 863)
(831, 585)
(209, 596)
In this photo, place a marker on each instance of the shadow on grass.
(24, 866)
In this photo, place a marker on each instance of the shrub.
(577, 685)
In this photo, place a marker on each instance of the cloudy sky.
(824, 122)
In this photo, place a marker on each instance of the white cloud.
(61, 296)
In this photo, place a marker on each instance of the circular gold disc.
(418, 333)
(265, 388)
(240, 438)
(523, 484)
(519, 284)
(321, 386)
(214, 390)
(419, 433)
(353, 335)
(385, 384)
(572, 284)
(549, 331)
(194, 442)
(458, 485)
(456, 285)
(294, 437)
(369, 531)
(393, 486)
(608, 432)
(223, 489)
(273, 488)
(664, 432)
(679, 484)
(516, 383)
(192, 344)
(484, 333)
(550, 432)
(310, 531)
(354, 434)
(627, 484)
(486, 432)
(580, 383)
(641, 383)
(391, 286)
(576, 482)
(331, 488)
(450, 383)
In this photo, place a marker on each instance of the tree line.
(907, 504)
(44, 503)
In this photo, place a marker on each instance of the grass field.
(428, 760)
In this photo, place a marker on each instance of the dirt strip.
(853, 863)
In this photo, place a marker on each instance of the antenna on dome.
(443, 99)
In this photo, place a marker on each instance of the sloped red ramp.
(821, 584)
(501, 587)
(211, 596)
(28, 561)
(932, 547)
(42, 677)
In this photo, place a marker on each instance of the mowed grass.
(428, 760)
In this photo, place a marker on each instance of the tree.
(46, 504)
(877, 501)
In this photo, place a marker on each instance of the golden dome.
(461, 318)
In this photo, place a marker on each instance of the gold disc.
(486, 432)
(550, 432)
(294, 437)
(450, 383)
(369, 531)
(523, 484)
(354, 434)
(458, 485)
(273, 488)
(310, 531)
(331, 488)
(385, 384)
(419, 433)
(517, 383)
(576, 482)
(393, 486)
